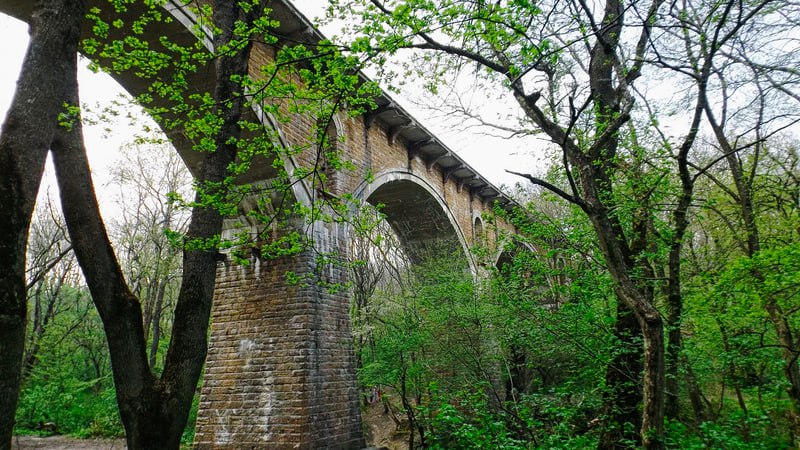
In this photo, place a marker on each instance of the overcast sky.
(490, 156)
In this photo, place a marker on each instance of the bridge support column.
(280, 367)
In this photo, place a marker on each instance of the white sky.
(95, 89)
(489, 155)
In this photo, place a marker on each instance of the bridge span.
(280, 367)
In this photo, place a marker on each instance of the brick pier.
(280, 368)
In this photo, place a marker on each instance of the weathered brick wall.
(280, 367)
(371, 151)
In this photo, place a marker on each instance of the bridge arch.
(478, 230)
(417, 212)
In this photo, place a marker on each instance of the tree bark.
(653, 382)
(118, 307)
(790, 368)
(24, 141)
(700, 404)
(640, 302)
(622, 419)
(596, 167)
(674, 345)
(674, 290)
(156, 321)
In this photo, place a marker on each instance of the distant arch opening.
(425, 229)
(479, 235)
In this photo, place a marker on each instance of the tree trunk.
(137, 394)
(700, 405)
(640, 303)
(24, 141)
(653, 382)
(156, 319)
(623, 386)
(596, 167)
(154, 412)
(674, 290)
(790, 367)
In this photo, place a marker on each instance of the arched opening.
(534, 273)
(479, 235)
(505, 261)
(423, 226)
(414, 271)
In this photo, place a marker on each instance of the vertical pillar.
(280, 370)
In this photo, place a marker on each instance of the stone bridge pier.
(280, 367)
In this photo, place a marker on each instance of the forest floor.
(381, 430)
(381, 434)
(65, 443)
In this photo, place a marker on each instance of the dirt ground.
(65, 443)
(381, 434)
(381, 431)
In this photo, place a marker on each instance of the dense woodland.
(649, 299)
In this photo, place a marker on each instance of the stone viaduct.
(280, 367)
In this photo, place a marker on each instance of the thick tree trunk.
(653, 382)
(790, 367)
(138, 394)
(640, 303)
(623, 395)
(24, 141)
(596, 169)
(154, 411)
(674, 290)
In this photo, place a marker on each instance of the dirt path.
(382, 431)
(65, 443)
(381, 427)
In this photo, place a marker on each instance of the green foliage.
(69, 390)
(725, 434)
(466, 421)
(68, 406)
(514, 362)
(510, 362)
(315, 80)
(772, 275)
(188, 433)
